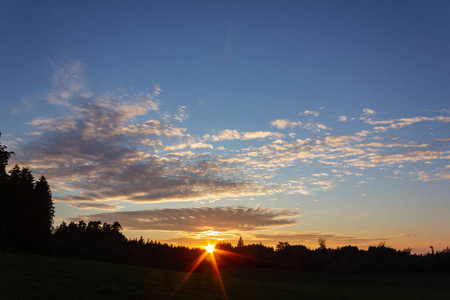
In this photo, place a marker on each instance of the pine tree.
(26, 209)
(44, 211)
(240, 243)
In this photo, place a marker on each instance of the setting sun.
(210, 248)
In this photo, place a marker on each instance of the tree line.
(105, 242)
(26, 225)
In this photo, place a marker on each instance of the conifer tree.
(26, 209)
(240, 243)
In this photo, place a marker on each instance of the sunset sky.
(270, 120)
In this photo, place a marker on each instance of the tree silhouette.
(26, 209)
(282, 246)
(322, 243)
(240, 243)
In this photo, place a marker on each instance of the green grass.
(36, 277)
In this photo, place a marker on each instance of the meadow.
(25, 276)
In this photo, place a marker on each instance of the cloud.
(121, 147)
(155, 144)
(309, 113)
(228, 135)
(402, 122)
(201, 146)
(413, 156)
(225, 135)
(310, 125)
(149, 179)
(261, 135)
(196, 220)
(314, 127)
(181, 116)
(284, 123)
(95, 205)
(368, 111)
(53, 124)
(325, 184)
(342, 118)
(439, 174)
(99, 152)
(67, 81)
(393, 145)
(176, 147)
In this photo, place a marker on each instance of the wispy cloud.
(96, 205)
(24, 106)
(68, 80)
(402, 122)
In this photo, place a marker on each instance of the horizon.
(277, 122)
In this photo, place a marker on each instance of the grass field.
(37, 277)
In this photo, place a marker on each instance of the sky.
(189, 121)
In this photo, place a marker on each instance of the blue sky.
(194, 120)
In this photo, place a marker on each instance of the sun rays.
(209, 250)
(219, 276)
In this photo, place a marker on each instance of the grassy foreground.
(36, 277)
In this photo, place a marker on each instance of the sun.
(210, 248)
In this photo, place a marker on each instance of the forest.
(26, 226)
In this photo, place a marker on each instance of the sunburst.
(209, 250)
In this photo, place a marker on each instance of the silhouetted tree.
(90, 241)
(322, 243)
(282, 246)
(223, 246)
(240, 243)
(407, 251)
(44, 211)
(26, 209)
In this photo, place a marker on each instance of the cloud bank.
(196, 220)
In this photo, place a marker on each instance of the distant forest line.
(26, 226)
